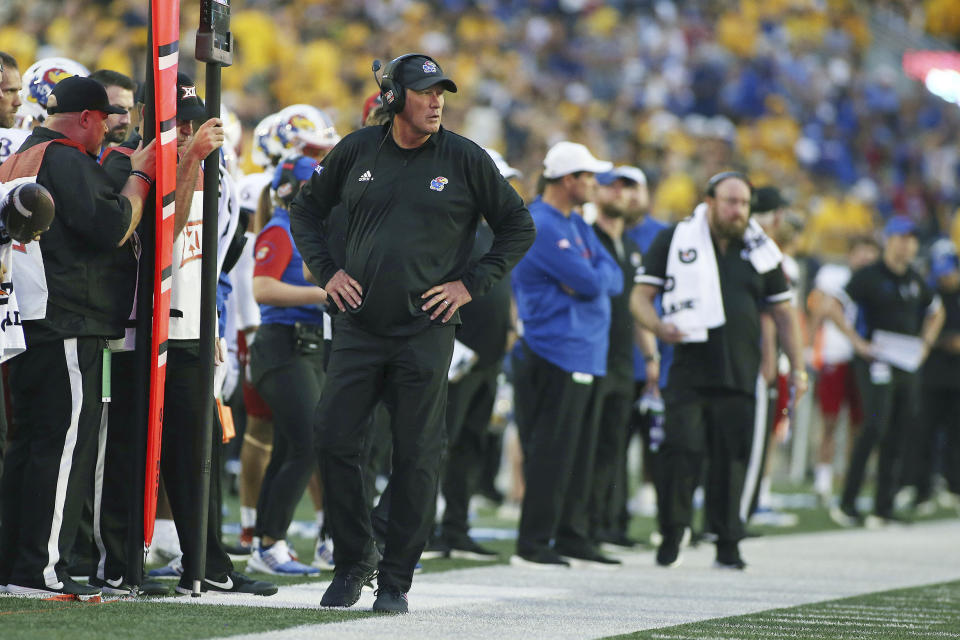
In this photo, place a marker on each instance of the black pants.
(940, 409)
(556, 420)
(890, 412)
(180, 461)
(716, 424)
(290, 383)
(469, 407)
(608, 491)
(113, 493)
(410, 375)
(57, 417)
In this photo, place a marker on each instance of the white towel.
(692, 300)
(691, 297)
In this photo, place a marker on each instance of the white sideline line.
(511, 603)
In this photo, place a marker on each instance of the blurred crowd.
(782, 88)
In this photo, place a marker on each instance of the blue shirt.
(292, 272)
(643, 234)
(562, 287)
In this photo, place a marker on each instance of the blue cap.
(944, 264)
(900, 226)
(625, 172)
(290, 173)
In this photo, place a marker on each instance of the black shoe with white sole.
(466, 548)
(116, 587)
(585, 557)
(66, 587)
(233, 582)
(541, 559)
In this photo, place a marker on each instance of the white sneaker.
(323, 554)
(276, 561)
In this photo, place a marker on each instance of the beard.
(116, 135)
(611, 212)
(731, 230)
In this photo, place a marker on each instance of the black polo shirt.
(942, 368)
(888, 301)
(630, 258)
(411, 217)
(730, 358)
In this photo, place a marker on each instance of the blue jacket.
(570, 330)
(293, 274)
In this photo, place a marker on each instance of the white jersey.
(250, 187)
(832, 346)
(11, 323)
(241, 304)
(10, 141)
(185, 276)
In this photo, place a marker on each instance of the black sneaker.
(619, 540)
(541, 559)
(68, 587)
(233, 582)
(154, 588)
(728, 557)
(110, 587)
(390, 600)
(668, 553)
(466, 548)
(344, 591)
(847, 516)
(436, 548)
(586, 557)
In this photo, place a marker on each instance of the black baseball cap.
(766, 199)
(76, 94)
(189, 104)
(421, 72)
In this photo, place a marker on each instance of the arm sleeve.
(116, 163)
(310, 212)
(86, 201)
(607, 267)
(775, 287)
(556, 256)
(654, 269)
(509, 219)
(273, 253)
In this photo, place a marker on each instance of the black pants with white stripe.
(56, 391)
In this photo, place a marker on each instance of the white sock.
(764, 498)
(319, 519)
(248, 517)
(823, 478)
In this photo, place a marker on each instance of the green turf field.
(920, 613)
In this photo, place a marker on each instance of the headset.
(392, 93)
(715, 181)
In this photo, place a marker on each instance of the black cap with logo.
(189, 104)
(76, 94)
(420, 72)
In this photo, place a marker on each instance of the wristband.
(143, 176)
(653, 357)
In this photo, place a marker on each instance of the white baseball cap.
(567, 157)
(505, 169)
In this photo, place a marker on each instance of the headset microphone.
(376, 67)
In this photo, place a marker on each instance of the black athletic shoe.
(436, 548)
(110, 587)
(585, 557)
(540, 559)
(390, 600)
(154, 588)
(617, 539)
(668, 553)
(847, 516)
(728, 557)
(232, 583)
(344, 591)
(69, 587)
(466, 548)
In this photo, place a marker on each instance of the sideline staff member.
(56, 384)
(717, 272)
(414, 194)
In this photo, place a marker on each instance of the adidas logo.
(366, 177)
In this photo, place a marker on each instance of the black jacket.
(411, 218)
(90, 281)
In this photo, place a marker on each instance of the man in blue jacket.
(562, 287)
